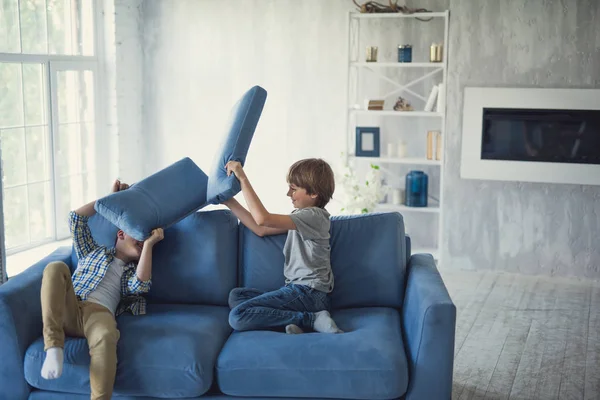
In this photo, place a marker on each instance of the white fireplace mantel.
(478, 98)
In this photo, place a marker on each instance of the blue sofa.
(398, 319)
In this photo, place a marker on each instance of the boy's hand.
(236, 168)
(157, 235)
(118, 186)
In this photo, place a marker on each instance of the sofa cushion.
(157, 201)
(368, 258)
(196, 262)
(44, 395)
(242, 124)
(366, 362)
(169, 352)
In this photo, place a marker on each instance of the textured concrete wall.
(120, 142)
(129, 88)
(200, 57)
(195, 67)
(525, 227)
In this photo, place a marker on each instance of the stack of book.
(375, 105)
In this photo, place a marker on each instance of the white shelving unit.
(442, 14)
(399, 114)
(435, 72)
(402, 208)
(404, 160)
(396, 65)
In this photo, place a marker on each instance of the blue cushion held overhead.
(157, 201)
(243, 120)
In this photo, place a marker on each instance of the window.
(48, 116)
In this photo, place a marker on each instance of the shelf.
(398, 15)
(405, 114)
(403, 208)
(398, 65)
(417, 161)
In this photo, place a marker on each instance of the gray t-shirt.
(307, 250)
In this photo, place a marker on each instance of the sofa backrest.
(368, 258)
(196, 262)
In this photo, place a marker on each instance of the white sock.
(292, 329)
(324, 323)
(53, 364)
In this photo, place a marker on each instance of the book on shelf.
(431, 101)
(375, 105)
(441, 98)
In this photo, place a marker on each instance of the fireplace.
(534, 135)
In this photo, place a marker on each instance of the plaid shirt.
(93, 263)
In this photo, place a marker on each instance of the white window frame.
(52, 64)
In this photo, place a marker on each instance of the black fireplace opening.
(541, 135)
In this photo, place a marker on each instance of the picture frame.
(367, 141)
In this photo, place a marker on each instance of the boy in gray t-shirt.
(303, 303)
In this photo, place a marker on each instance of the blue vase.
(416, 189)
(405, 53)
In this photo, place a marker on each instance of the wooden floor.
(524, 337)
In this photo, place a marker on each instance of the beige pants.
(63, 313)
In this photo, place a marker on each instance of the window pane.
(87, 26)
(16, 222)
(67, 151)
(40, 211)
(14, 163)
(33, 26)
(11, 95)
(59, 26)
(68, 197)
(89, 187)
(88, 146)
(38, 167)
(86, 99)
(68, 96)
(9, 26)
(83, 24)
(34, 93)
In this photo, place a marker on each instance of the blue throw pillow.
(158, 201)
(244, 118)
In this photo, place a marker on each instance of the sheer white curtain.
(3, 276)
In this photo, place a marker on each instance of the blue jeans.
(254, 309)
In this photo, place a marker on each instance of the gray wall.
(200, 55)
(525, 227)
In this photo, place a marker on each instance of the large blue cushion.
(43, 395)
(366, 362)
(242, 124)
(196, 262)
(367, 256)
(170, 352)
(157, 201)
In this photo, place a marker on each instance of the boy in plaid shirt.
(86, 304)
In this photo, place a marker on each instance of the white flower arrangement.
(362, 196)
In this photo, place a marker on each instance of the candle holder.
(372, 53)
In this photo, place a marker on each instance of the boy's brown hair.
(315, 176)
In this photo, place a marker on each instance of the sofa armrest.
(429, 321)
(21, 323)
